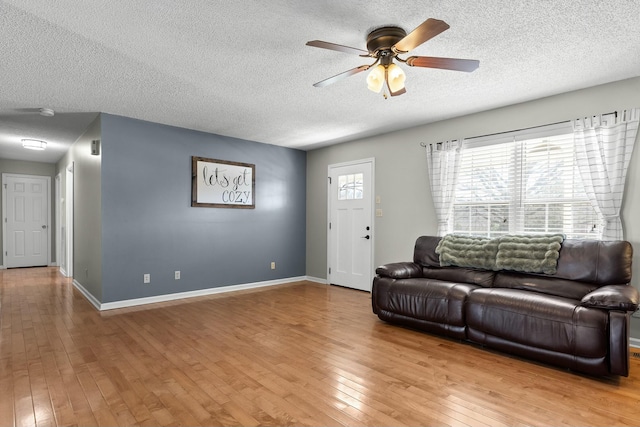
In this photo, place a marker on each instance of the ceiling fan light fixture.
(395, 78)
(375, 79)
(34, 144)
(384, 44)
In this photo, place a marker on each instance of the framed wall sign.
(222, 184)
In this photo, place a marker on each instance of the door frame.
(58, 192)
(69, 200)
(372, 161)
(5, 177)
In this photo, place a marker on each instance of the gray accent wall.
(401, 172)
(149, 226)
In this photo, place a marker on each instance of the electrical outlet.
(177, 274)
(378, 212)
(273, 265)
(147, 278)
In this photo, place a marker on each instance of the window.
(521, 183)
(351, 186)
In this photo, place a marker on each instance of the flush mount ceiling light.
(47, 112)
(34, 144)
(384, 45)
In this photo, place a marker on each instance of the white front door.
(350, 241)
(26, 219)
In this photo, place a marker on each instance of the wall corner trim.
(93, 300)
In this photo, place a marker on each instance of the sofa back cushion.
(543, 284)
(424, 253)
(595, 261)
(473, 276)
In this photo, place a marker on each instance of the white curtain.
(603, 150)
(443, 161)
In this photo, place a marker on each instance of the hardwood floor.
(297, 354)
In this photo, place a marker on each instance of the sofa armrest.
(400, 270)
(613, 297)
(619, 329)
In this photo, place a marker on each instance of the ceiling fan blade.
(338, 47)
(467, 65)
(341, 76)
(425, 31)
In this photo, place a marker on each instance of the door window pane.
(351, 186)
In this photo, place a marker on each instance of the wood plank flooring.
(296, 354)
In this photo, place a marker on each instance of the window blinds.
(522, 182)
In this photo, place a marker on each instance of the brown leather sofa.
(577, 318)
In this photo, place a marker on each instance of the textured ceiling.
(241, 68)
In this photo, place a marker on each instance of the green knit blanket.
(523, 253)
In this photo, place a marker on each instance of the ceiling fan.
(384, 45)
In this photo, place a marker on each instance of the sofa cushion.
(532, 319)
(424, 299)
(543, 284)
(474, 276)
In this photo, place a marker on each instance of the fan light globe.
(375, 79)
(395, 78)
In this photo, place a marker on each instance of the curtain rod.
(424, 144)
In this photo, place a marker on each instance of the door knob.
(44, 226)
(366, 237)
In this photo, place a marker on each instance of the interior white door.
(26, 221)
(350, 242)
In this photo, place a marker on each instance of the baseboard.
(634, 342)
(193, 294)
(2, 267)
(316, 280)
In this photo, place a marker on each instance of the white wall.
(401, 171)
